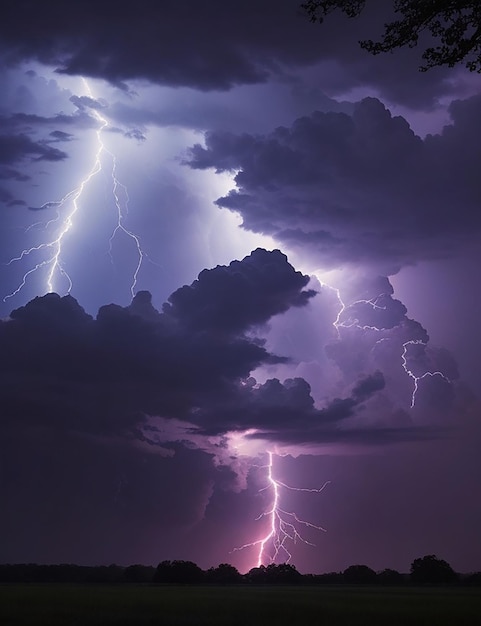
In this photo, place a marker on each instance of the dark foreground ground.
(57, 604)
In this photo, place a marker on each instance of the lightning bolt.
(354, 322)
(283, 525)
(70, 206)
(411, 374)
(338, 323)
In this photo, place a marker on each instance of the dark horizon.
(428, 569)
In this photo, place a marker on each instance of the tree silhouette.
(180, 572)
(285, 573)
(359, 575)
(223, 574)
(473, 579)
(455, 25)
(390, 577)
(430, 569)
(138, 574)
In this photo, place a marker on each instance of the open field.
(57, 604)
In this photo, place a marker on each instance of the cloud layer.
(360, 188)
(210, 49)
(106, 377)
(128, 420)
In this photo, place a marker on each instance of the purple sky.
(299, 224)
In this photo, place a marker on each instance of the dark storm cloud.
(211, 47)
(114, 499)
(60, 135)
(19, 142)
(83, 451)
(103, 376)
(278, 411)
(285, 414)
(30, 121)
(356, 188)
(352, 438)
(230, 299)
(14, 148)
(242, 109)
(80, 396)
(8, 173)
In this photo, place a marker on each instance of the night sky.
(227, 232)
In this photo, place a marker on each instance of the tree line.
(426, 570)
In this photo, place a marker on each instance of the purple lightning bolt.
(411, 374)
(354, 322)
(283, 525)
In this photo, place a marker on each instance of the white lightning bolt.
(411, 374)
(283, 525)
(122, 205)
(354, 322)
(69, 205)
(338, 323)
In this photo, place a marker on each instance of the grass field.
(55, 605)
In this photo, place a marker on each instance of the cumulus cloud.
(107, 376)
(130, 395)
(151, 381)
(283, 413)
(243, 294)
(355, 188)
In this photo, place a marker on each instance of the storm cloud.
(113, 410)
(235, 45)
(106, 377)
(86, 394)
(14, 148)
(355, 188)
(131, 362)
